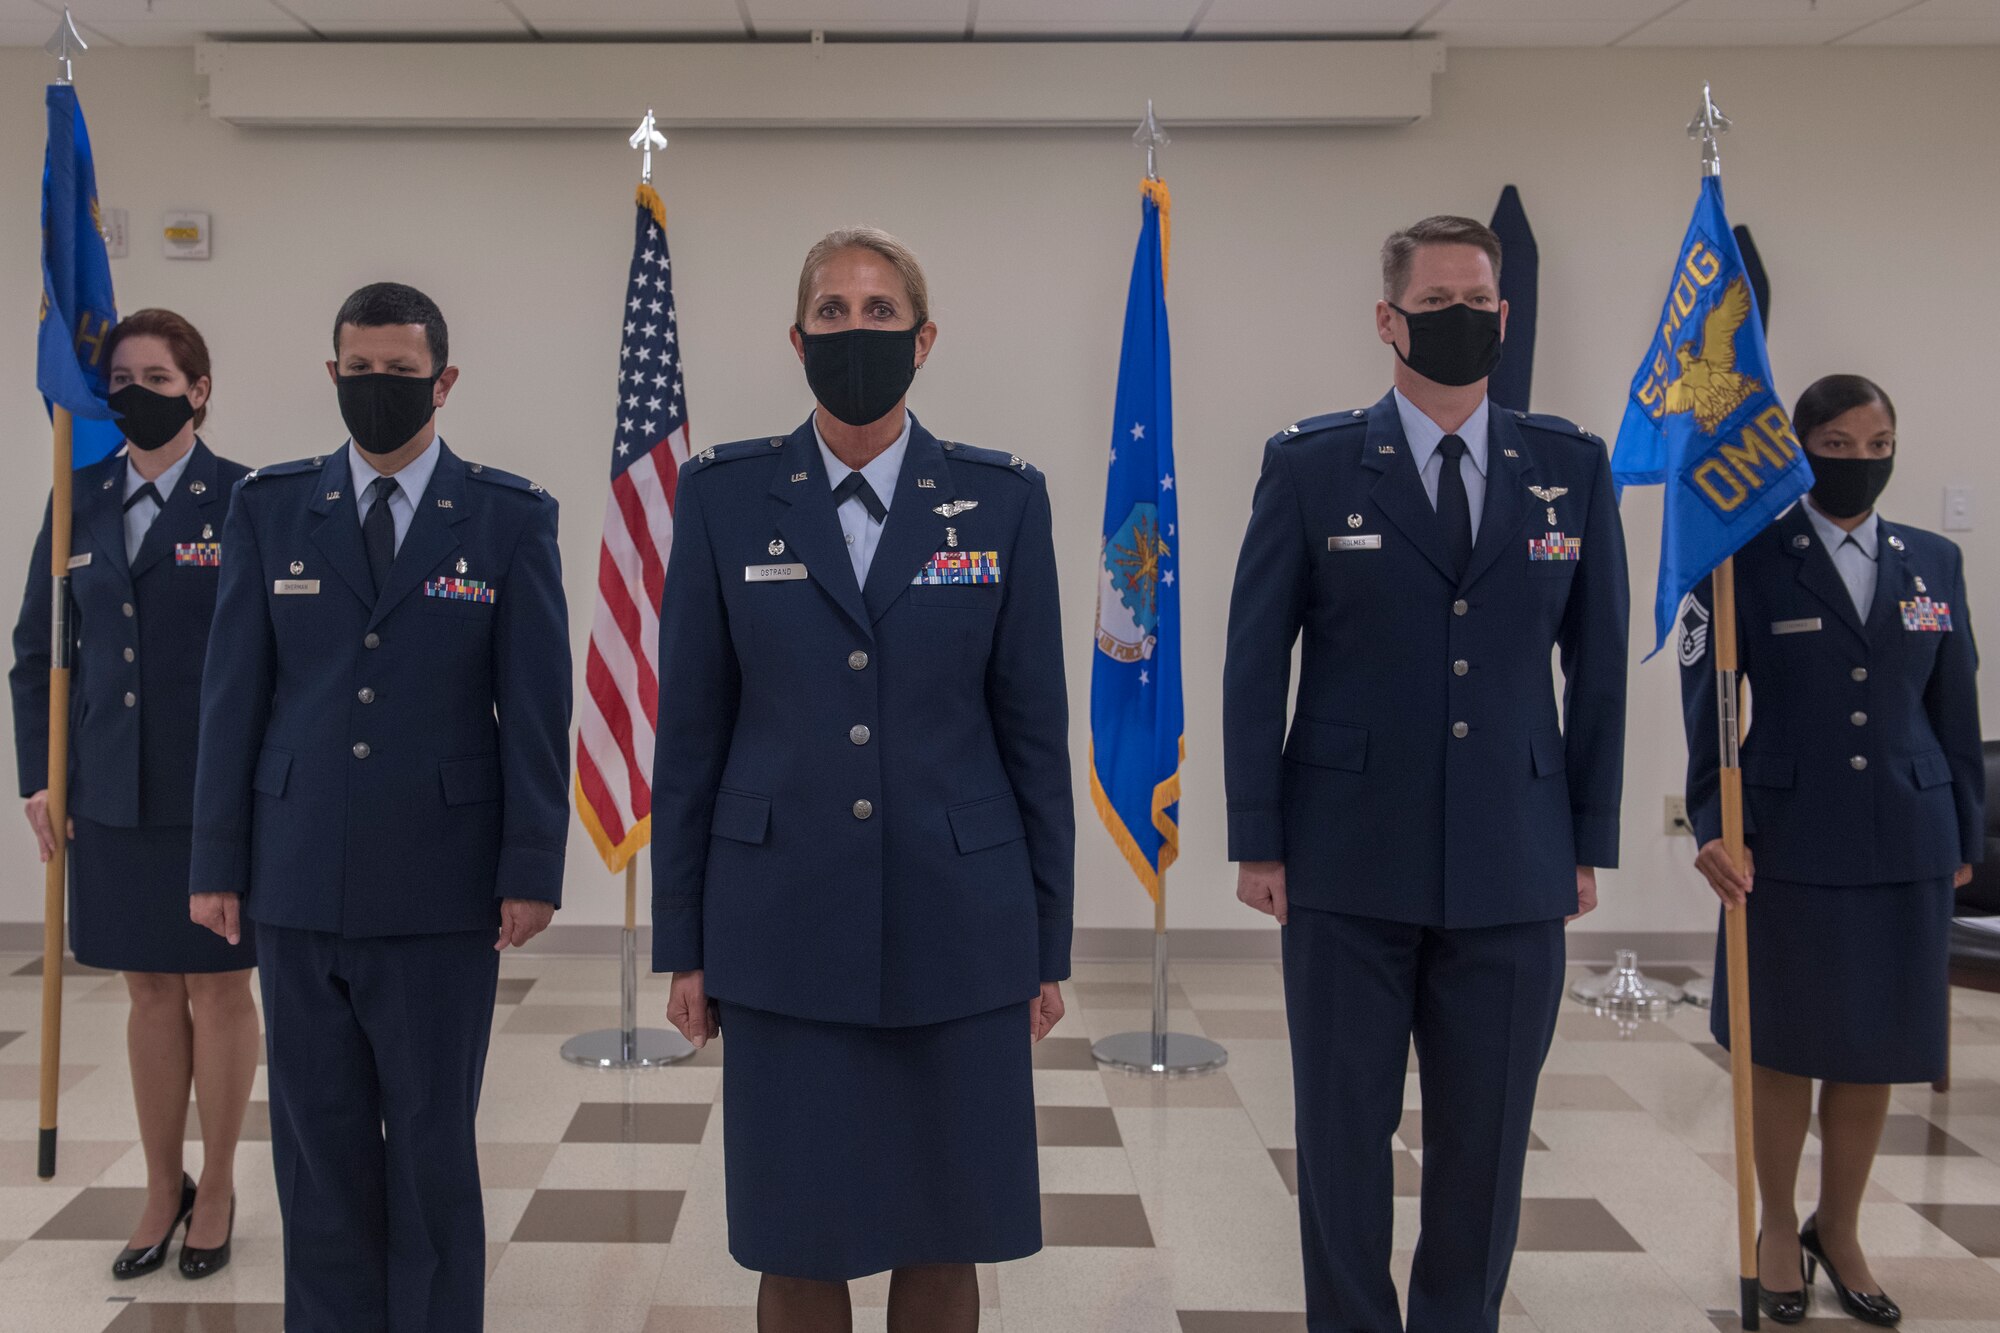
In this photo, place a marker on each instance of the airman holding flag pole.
(1135, 682)
(77, 315)
(1703, 419)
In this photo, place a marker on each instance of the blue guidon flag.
(77, 306)
(1704, 419)
(1136, 732)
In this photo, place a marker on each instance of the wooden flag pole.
(55, 880)
(1736, 941)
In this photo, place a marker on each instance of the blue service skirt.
(854, 1150)
(1847, 984)
(128, 904)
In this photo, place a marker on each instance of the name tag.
(772, 573)
(1809, 625)
(294, 587)
(1367, 541)
(79, 561)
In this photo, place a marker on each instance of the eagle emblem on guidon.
(1709, 385)
(1128, 582)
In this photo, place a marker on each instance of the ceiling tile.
(1312, 17)
(1934, 23)
(1084, 18)
(1762, 22)
(389, 17)
(1568, 33)
(874, 17)
(181, 22)
(603, 18)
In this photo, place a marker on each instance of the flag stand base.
(627, 1046)
(1160, 1053)
(1626, 992)
(1699, 992)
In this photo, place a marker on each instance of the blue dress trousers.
(379, 770)
(140, 636)
(1430, 806)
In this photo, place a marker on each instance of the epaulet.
(1298, 430)
(291, 469)
(729, 453)
(972, 453)
(1559, 425)
(501, 477)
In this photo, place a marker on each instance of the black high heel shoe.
(207, 1263)
(138, 1262)
(1875, 1309)
(1784, 1307)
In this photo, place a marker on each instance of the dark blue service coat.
(1427, 777)
(861, 795)
(391, 766)
(1862, 762)
(141, 632)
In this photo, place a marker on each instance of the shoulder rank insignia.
(953, 508)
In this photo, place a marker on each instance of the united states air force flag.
(77, 307)
(1703, 417)
(1136, 740)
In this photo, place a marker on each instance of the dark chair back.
(1982, 896)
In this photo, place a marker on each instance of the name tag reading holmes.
(772, 573)
(295, 587)
(1367, 541)
(1809, 625)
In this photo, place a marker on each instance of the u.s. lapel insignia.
(953, 508)
(1385, 448)
(1511, 453)
(777, 546)
(197, 488)
(799, 476)
(109, 482)
(1354, 520)
(462, 567)
(926, 484)
(443, 503)
(298, 567)
(333, 495)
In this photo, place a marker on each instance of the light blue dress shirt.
(411, 483)
(140, 516)
(1423, 436)
(862, 531)
(1854, 554)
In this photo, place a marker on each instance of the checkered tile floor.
(1166, 1207)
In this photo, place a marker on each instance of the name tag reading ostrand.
(1367, 541)
(772, 573)
(295, 587)
(1807, 625)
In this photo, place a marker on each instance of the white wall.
(1868, 176)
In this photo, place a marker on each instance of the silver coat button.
(1460, 667)
(1859, 762)
(1859, 719)
(859, 735)
(361, 750)
(1460, 607)
(863, 809)
(131, 699)
(127, 608)
(129, 654)
(1460, 730)
(1859, 674)
(372, 641)
(857, 660)
(365, 695)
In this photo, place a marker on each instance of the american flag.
(614, 743)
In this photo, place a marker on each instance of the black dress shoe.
(207, 1263)
(139, 1262)
(1875, 1309)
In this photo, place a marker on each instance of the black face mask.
(860, 375)
(382, 412)
(1456, 345)
(149, 419)
(1849, 487)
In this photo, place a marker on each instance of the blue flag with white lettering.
(1136, 731)
(77, 306)
(1704, 418)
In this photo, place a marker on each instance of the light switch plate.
(1677, 817)
(117, 239)
(1958, 509)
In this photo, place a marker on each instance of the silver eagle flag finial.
(647, 138)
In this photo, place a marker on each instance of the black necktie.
(1453, 509)
(378, 530)
(146, 491)
(854, 484)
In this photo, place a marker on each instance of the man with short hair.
(1428, 823)
(382, 792)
